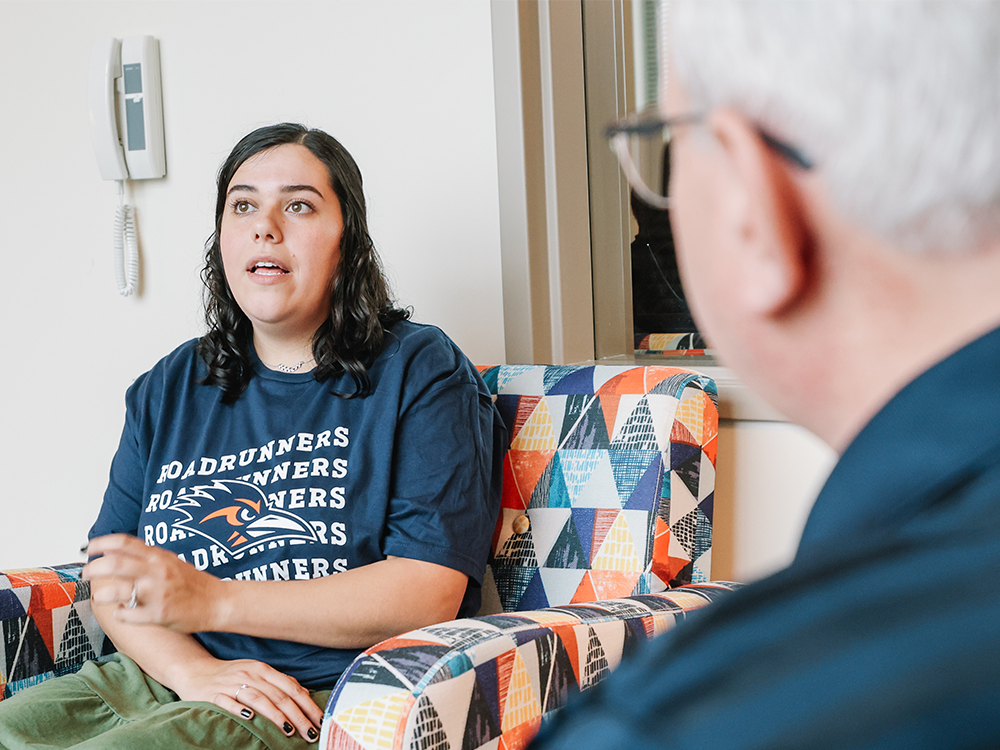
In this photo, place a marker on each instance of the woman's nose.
(266, 229)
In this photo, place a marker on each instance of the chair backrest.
(608, 483)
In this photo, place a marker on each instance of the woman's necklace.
(289, 368)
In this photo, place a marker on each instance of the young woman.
(315, 474)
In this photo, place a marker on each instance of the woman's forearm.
(353, 609)
(159, 651)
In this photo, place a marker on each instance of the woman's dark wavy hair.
(361, 308)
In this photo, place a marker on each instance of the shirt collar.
(912, 449)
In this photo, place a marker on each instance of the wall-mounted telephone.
(126, 123)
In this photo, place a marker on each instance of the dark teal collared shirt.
(884, 632)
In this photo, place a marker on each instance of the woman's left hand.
(151, 585)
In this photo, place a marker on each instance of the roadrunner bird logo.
(237, 515)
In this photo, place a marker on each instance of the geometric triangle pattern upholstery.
(487, 682)
(47, 626)
(608, 484)
(669, 343)
(484, 682)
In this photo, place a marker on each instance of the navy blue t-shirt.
(292, 482)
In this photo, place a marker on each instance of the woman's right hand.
(245, 687)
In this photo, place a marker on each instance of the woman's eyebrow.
(297, 188)
(284, 189)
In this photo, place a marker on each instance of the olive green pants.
(115, 705)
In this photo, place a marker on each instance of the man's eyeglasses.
(641, 143)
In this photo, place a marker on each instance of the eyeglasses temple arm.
(619, 144)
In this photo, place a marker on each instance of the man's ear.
(771, 237)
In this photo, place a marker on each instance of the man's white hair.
(897, 103)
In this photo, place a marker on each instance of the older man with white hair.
(835, 196)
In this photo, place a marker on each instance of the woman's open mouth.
(267, 268)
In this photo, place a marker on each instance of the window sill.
(736, 400)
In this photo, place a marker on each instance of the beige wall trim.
(608, 54)
(544, 200)
(524, 329)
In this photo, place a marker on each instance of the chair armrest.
(468, 682)
(48, 627)
(474, 679)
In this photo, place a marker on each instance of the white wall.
(767, 476)
(406, 86)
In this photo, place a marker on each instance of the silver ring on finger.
(133, 601)
(242, 687)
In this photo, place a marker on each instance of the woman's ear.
(766, 219)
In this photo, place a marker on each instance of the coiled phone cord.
(126, 246)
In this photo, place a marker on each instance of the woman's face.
(280, 241)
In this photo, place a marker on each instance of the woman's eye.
(241, 207)
(299, 207)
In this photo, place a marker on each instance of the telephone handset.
(126, 124)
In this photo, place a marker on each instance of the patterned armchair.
(607, 503)
(607, 510)
(47, 626)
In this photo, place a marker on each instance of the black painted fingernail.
(289, 729)
(246, 713)
(311, 734)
